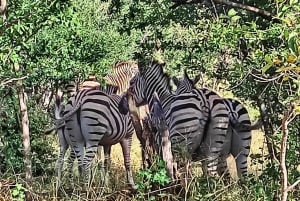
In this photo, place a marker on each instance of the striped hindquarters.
(241, 137)
(100, 113)
(187, 118)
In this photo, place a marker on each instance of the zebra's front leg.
(70, 163)
(60, 164)
(126, 146)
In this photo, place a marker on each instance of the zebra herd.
(201, 123)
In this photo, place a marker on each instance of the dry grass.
(115, 188)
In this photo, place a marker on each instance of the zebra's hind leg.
(107, 151)
(223, 167)
(63, 147)
(223, 170)
(215, 139)
(240, 149)
(126, 146)
(91, 150)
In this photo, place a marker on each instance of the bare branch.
(263, 79)
(263, 13)
(289, 115)
(12, 80)
(293, 185)
(284, 176)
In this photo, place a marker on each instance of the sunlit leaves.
(232, 12)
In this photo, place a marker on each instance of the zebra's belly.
(111, 139)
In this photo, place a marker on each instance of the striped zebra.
(186, 115)
(96, 115)
(120, 75)
(71, 126)
(238, 138)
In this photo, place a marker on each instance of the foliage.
(18, 192)
(152, 179)
(47, 43)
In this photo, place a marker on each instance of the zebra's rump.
(101, 118)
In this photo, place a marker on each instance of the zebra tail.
(49, 131)
(255, 126)
(58, 104)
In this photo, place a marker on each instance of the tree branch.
(12, 80)
(263, 13)
(3, 6)
(288, 116)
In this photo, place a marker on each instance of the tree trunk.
(3, 6)
(268, 130)
(284, 176)
(288, 116)
(25, 133)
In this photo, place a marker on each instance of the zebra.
(71, 126)
(186, 115)
(238, 139)
(121, 74)
(100, 123)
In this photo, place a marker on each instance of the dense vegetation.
(47, 43)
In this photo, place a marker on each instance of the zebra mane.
(119, 64)
(168, 80)
(164, 76)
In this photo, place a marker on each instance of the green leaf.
(292, 2)
(232, 12)
(266, 68)
(15, 192)
(235, 18)
(297, 109)
(292, 43)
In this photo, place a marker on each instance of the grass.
(44, 188)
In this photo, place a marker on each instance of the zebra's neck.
(165, 96)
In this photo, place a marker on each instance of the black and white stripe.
(121, 74)
(238, 137)
(78, 123)
(186, 115)
(100, 123)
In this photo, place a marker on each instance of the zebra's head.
(120, 75)
(148, 80)
(186, 84)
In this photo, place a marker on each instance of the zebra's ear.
(185, 74)
(123, 105)
(197, 78)
(176, 81)
(186, 77)
(141, 66)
